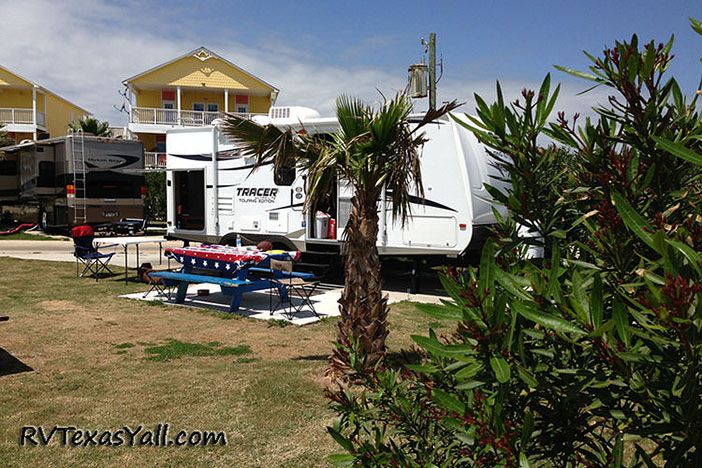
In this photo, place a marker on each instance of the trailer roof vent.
(291, 114)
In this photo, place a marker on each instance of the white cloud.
(83, 51)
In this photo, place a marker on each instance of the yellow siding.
(188, 98)
(149, 141)
(193, 72)
(259, 104)
(20, 99)
(10, 79)
(17, 98)
(59, 114)
(148, 98)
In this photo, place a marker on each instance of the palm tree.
(377, 153)
(91, 126)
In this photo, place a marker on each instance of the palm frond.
(266, 143)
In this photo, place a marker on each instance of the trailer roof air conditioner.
(291, 114)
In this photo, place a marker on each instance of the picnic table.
(125, 242)
(236, 267)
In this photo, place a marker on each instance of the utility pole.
(432, 70)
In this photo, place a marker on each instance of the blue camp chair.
(94, 263)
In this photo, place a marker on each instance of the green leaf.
(486, 281)
(448, 401)
(340, 439)
(469, 371)
(501, 369)
(341, 459)
(621, 321)
(633, 220)
(527, 377)
(470, 385)
(511, 284)
(596, 302)
(544, 319)
(433, 345)
(678, 150)
(579, 74)
(523, 461)
(693, 257)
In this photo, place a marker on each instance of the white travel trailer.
(213, 195)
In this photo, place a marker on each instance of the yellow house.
(191, 91)
(30, 111)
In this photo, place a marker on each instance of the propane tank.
(331, 230)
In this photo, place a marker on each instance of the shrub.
(597, 347)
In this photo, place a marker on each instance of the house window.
(198, 107)
(212, 107)
(242, 104)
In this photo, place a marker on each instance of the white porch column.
(178, 103)
(34, 110)
(226, 100)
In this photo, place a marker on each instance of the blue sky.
(314, 51)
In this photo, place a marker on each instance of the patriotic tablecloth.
(226, 258)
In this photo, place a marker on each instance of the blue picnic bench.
(234, 287)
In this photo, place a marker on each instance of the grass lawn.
(99, 362)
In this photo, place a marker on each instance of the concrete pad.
(255, 304)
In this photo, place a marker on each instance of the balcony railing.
(188, 118)
(154, 160)
(21, 116)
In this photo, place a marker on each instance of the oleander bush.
(592, 355)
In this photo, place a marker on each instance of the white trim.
(34, 109)
(179, 100)
(226, 100)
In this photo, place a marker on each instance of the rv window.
(8, 167)
(284, 176)
(111, 185)
(47, 174)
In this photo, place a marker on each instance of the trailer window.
(284, 176)
(47, 174)
(8, 167)
(189, 200)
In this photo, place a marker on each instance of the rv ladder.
(76, 160)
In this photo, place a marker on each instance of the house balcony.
(154, 120)
(154, 160)
(22, 120)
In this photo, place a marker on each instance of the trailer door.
(189, 198)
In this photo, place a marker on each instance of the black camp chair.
(93, 261)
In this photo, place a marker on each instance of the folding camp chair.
(94, 263)
(162, 286)
(294, 286)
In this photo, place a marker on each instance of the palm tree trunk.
(364, 310)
